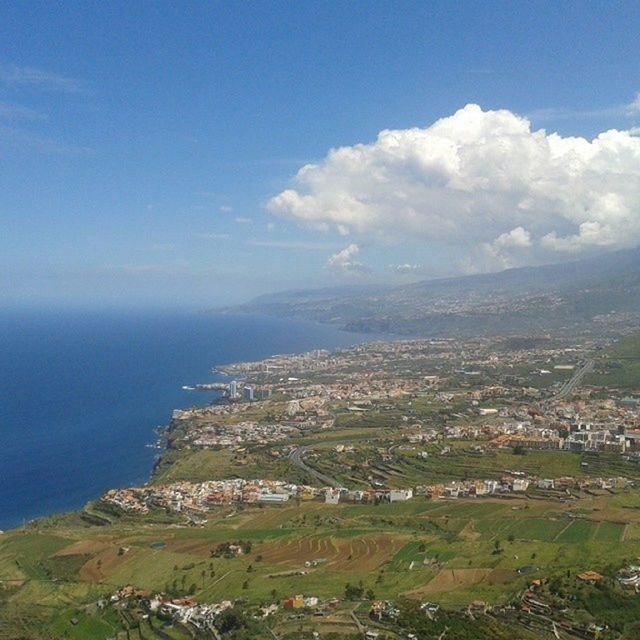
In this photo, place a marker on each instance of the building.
(295, 602)
(590, 576)
(233, 390)
(520, 484)
(247, 393)
(273, 498)
(400, 495)
(332, 496)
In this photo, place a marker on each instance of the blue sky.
(145, 147)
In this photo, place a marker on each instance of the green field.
(619, 367)
(455, 547)
(578, 532)
(609, 532)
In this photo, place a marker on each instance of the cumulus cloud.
(517, 237)
(483, 180)
(345, 261)
(407, 268)
(500, 253)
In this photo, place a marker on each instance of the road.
(576, 379)
(360, 626)
(296, 457)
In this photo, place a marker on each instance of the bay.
(81, 393)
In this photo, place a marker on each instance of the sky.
(198, 154)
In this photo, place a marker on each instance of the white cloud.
(241, 220)
(292, 245)
(18, 112)
(517, 237)
(28, 76)
(344, 261)
(628, 110)
(633, 108)
(211, 236)
(407, 268)
(25, 140)
(500, 253)
(226, 209)
(478, 179)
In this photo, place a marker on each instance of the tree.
(231, 619)
(353, 592)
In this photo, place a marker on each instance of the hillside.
(597, 295)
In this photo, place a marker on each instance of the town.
(393, 490)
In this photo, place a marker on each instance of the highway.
(569, 386)
(296, 457)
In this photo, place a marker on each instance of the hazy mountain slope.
(593, 294)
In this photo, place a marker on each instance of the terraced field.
(449, 551)
(361, 553)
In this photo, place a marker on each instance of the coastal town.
(195, 500)
(398, 490)
(426, 406)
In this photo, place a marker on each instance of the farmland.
(452, 552)
(362, 478)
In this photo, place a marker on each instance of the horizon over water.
(82, 393)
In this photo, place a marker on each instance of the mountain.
(597, 294)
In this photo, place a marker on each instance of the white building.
(273, 498)
(400, 495)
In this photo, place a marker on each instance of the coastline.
(84, 394)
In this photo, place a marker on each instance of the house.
(294, 602)
(400, 495)
(520, 484)
(332, 496)
(590, 576)
(273, 498)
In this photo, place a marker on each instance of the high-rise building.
(248, 394)
(233, 390)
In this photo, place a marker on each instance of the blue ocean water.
(80, 394)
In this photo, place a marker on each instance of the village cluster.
(196, 498)
(499, 411)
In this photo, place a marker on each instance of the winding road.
(296, 457)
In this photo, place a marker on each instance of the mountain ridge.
(596, 293)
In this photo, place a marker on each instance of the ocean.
(81, 393)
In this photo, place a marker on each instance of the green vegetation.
(619, 366)
(58, 574)
(446, 552)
